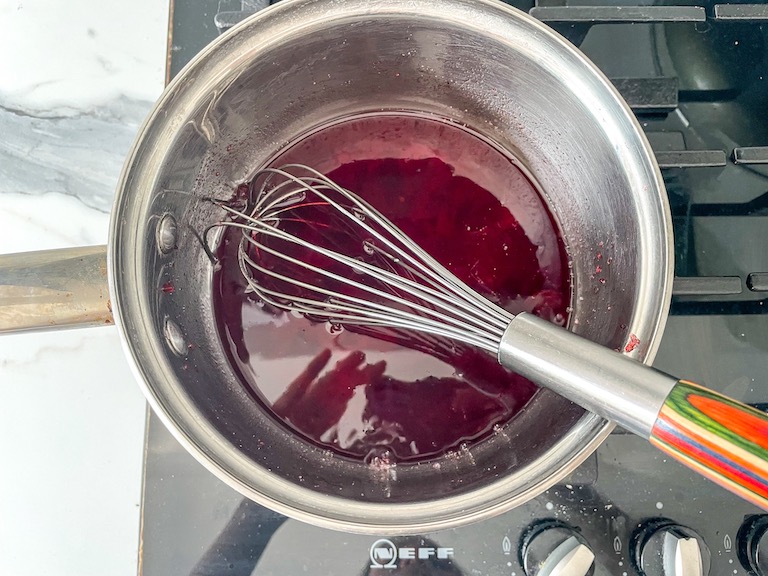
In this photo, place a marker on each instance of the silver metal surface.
(571, 558)
(54, 289)
(302, 64)
(682, 556)
(669, 549)
(555, 549)
(593, 376)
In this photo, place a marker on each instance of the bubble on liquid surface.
(380, 457)
(334, 328)
(358, 213)
(358, 270)
(369, 247)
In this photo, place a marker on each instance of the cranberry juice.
(473, 210)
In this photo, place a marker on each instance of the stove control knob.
(753, 545)
(663, 548)
(552, 548)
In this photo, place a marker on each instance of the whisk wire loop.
(351, 310)
(396, 240)
(398, 284)
(404, 288)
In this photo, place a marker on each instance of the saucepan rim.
(179, 414)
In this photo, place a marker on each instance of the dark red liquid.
(368, 398)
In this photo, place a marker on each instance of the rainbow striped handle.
(724, 440)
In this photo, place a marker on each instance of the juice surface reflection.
(473, 210)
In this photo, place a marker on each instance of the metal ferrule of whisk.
(399, 287)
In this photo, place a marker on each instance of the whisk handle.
(720, 438)
(716, 436)
(605, 382)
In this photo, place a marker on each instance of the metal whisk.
(311, 247)
(394, 284)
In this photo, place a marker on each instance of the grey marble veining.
(77, 79)
(77, 155)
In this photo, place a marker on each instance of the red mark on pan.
(242, 192)
(168, 288)
(632, 344)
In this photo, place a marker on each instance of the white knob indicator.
(554, 549)
(663, 548)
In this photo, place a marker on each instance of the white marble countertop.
(76, 80)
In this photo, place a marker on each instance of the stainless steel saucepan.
(288, 70)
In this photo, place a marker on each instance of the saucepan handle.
(51, 289)
(720, 438)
